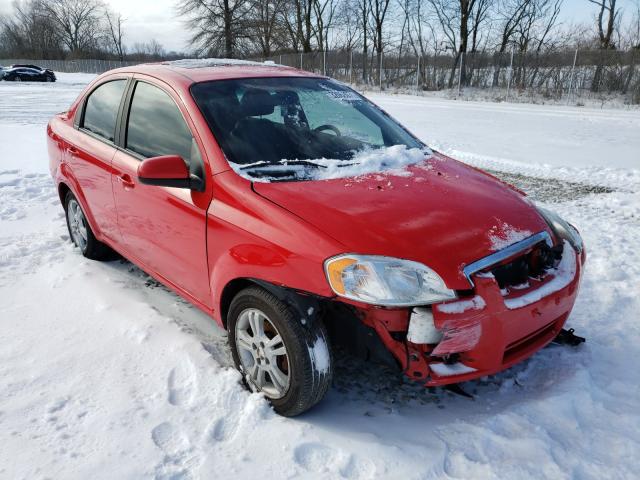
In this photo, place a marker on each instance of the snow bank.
(558, 141)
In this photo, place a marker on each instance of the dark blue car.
(27, 73)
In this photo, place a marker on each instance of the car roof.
(26, 65)
(203, 70)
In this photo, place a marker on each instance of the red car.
(300, 216)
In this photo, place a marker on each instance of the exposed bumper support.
(567, 337)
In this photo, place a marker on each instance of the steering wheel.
(326, 126)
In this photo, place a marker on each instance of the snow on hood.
(502, 235)
(393, 160)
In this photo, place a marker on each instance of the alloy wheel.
(77, 224)
(262, 353)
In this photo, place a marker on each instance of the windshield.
(302, 129)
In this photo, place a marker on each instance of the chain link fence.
(571, 75)
(71, 66)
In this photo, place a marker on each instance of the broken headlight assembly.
(562, 229)
(385, 281)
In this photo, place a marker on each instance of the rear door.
(90, 149)
(163, 228)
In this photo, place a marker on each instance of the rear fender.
(67, 178)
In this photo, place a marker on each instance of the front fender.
(249, 237)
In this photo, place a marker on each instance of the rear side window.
(101, 110)
(156, 126)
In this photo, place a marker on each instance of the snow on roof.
(218, 62)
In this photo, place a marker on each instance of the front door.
(162, 228)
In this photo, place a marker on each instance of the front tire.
(290, 363)
(80, 231)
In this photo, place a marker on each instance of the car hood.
(439, 212)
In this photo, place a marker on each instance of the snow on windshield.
(393, 159)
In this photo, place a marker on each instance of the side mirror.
(165, 171)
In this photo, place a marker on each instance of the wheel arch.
(67, 184)
(307, 306)
(63, 189)
(230, 290)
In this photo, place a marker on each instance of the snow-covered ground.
(105, 374)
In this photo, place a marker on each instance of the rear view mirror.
(165, 171)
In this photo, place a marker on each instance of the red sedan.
(300, 216)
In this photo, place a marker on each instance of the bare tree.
(299, 22)
(511, 14)
(266, 24)
(324, 13)
(460, 20)
(115, 32)
(347, 26)
(605, 24)
(378, 13)
(29, 32)
(219, 26)
(363, 10)
(78, 22)
(151, 50)
(634, 29)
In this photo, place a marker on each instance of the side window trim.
(78, 120)
(123, 115)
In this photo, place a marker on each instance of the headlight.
(385, 281)
(562, 228)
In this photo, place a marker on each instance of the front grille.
(534, 264)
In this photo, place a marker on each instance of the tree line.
(462, 30)
(239, 28)
(70, 29)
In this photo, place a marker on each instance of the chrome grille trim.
(505, 253)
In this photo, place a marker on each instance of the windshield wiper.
(282, 163)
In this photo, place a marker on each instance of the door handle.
(72, 150)
(126, 181)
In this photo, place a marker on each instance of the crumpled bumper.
(488, 336)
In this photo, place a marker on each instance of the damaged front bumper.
(485, 333)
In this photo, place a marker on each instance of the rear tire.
(287, 361)
(80, 231)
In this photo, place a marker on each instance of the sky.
(147, 19)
